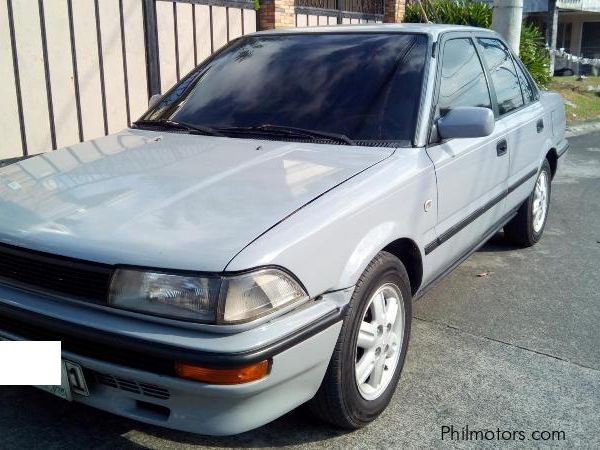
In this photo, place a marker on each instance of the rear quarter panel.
(554, 107)
(530, 148)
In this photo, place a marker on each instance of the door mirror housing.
(154, 100)
(466, 122)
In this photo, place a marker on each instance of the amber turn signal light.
(233, 375)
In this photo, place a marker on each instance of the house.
(577, 29)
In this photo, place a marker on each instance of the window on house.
(590, 40)
(563, 37)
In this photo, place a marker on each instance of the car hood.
(165, 199)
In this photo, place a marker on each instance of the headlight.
(229, 299)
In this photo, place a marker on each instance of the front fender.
(328, 243)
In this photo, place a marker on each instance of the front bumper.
(299, 344)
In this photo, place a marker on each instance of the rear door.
(521, 113)
(471, 173)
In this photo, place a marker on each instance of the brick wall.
(394, 11)
(276, 14)
(281, 13)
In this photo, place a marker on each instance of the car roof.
(432, 29)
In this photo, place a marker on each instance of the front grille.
(54, 274)
(134, 386)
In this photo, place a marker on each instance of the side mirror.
(466, 122)
(154, 100)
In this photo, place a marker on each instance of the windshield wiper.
(191, 128)
(293, 131)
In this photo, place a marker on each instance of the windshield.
(361, 86)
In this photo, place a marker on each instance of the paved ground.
(516, 350)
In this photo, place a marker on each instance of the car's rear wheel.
(369, 355)
(527, 227)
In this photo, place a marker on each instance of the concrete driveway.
(517, 350)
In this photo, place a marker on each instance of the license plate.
(71, 380)
(63, 390)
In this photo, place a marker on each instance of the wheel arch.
(552, 157)
(407, 251)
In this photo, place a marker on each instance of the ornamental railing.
(371, 10)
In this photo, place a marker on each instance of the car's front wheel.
(369, 355)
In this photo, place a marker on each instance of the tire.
(340, 399)
(526, 228)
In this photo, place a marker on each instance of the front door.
(471, 173)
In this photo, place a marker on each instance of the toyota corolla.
(255, 240)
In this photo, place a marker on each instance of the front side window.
(503, 74)
(462, 81)
(366, 86)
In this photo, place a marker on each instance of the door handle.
(501, 147)
(540, 125)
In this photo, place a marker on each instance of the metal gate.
(331, 12)
(182, 33)
(74, 70)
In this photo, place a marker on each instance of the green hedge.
(478, 14)
(532, 52)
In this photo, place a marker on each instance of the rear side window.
(463, 81)
(503, 74)
(526, 86)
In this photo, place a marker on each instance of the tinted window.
(463, 81)
(504, 77)
(364, 85)
(526, 86)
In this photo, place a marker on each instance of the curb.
(583, 128)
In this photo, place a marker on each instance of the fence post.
(276, 14)
(151, 41)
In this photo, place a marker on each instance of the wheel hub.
(540, 201)
(379, 341)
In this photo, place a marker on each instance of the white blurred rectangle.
(30, 363)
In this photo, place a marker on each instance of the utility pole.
(506, 20)
(551, 31)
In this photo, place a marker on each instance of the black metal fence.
(342, 11)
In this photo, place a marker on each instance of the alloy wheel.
(379, 341)
(540, 201)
